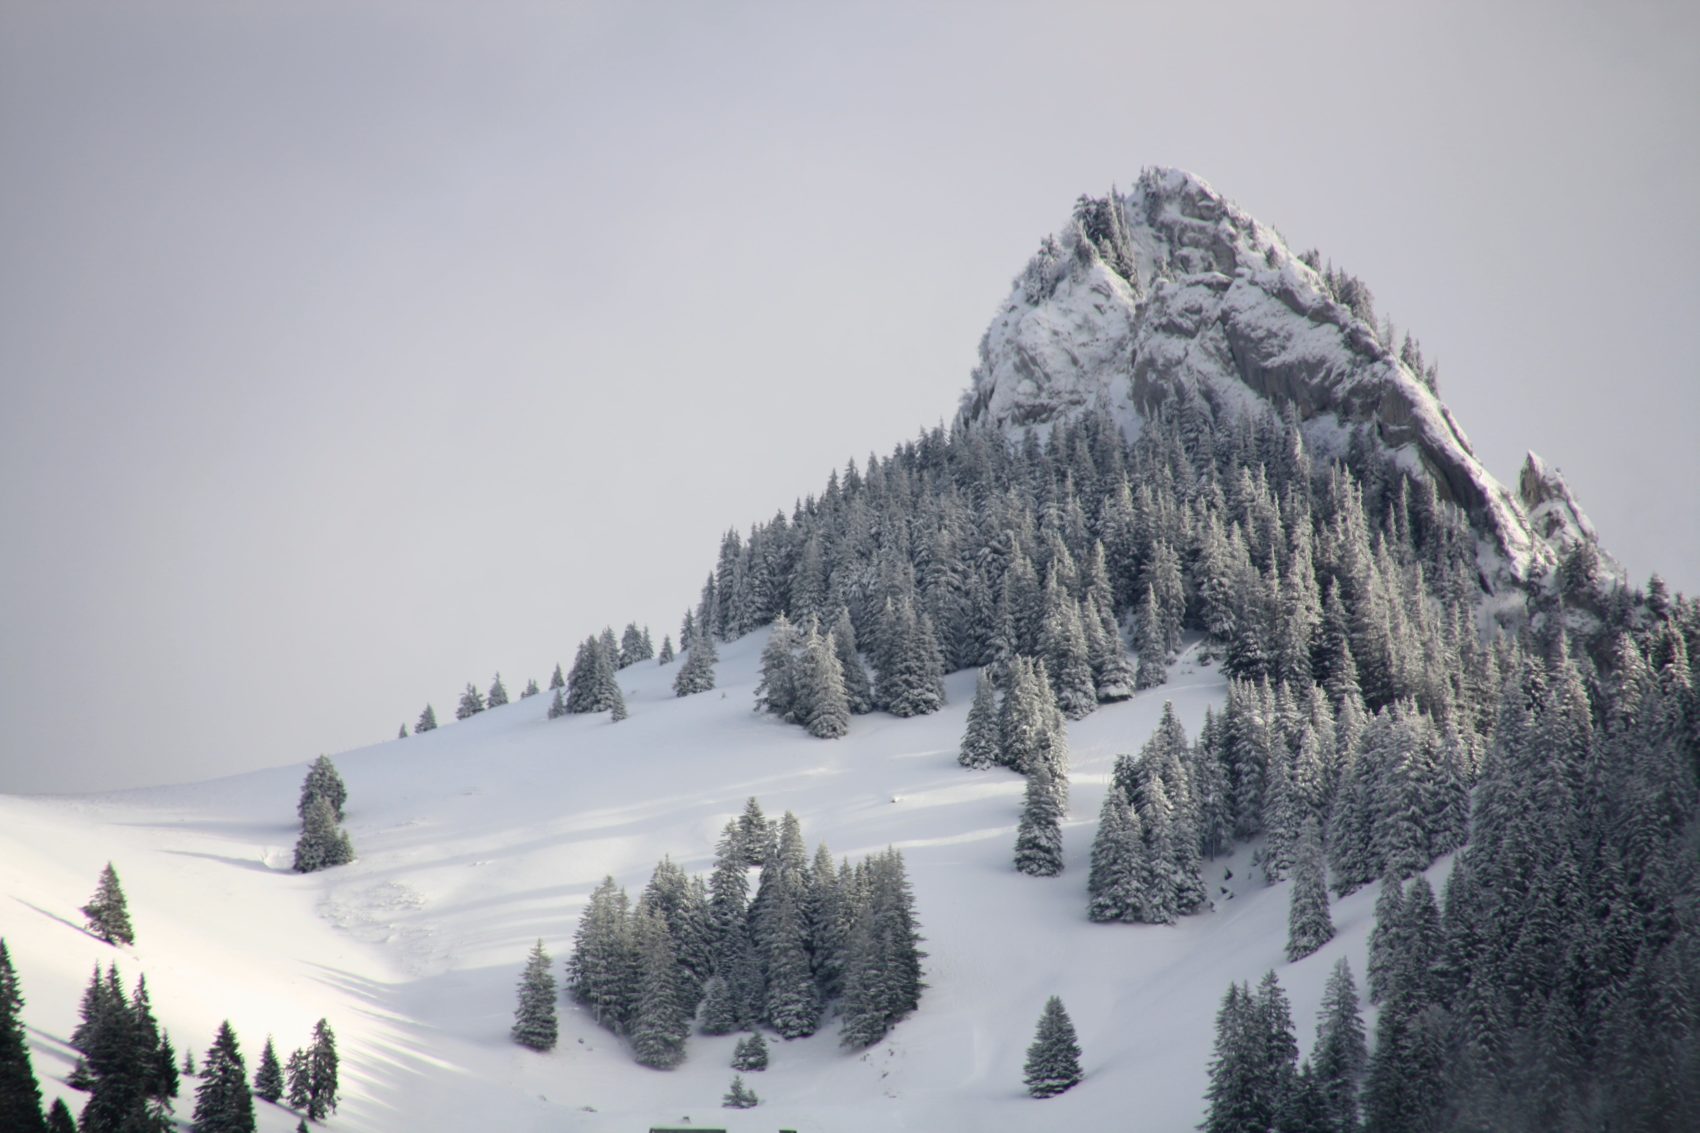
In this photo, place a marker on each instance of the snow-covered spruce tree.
(322, 844)
(530, 689)
(1030, 726)
(557, 706)
(750, 1054)
(792, 1003)
(858, 691)
(739, 1096)
(268, 1075)
(1115, 887)
(223, 1101)
(1309, 926)
(697, 673)
(776, 691)
(20, 1093)
(980, 737)
(820, 688)
(322, 781)
(1150, 642)
(1063, 645)
(1340, 1055)
(498, 694)
(107, 912)
(557, 680)
(300, 1083)
(882, 981)
(665, 657)
(471, 702)
(535, 1025)
(592, 685)
(427, 721)
(1038, 837)
(601, 970)
(911, 667)
(1385, 939)
(322, 1085)
(1053, 1059)
(719, 1015)
(660, 1024)
(634, 645)
(402, 734)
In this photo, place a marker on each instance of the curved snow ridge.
(1218, 310)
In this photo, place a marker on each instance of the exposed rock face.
(1554, 515)
(1212, 307)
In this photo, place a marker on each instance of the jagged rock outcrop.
(1171, 293)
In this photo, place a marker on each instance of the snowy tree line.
(815, 939)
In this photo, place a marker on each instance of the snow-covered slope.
(1214, 306)
(480, 837)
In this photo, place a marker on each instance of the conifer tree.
(739, 1096)
(1309, 926)
(858, 692)
(980, 739)
(300, 1082)
(821, 690)
(666, 655)
(1386, 942)
(1053, 1059)
(1340, 1055)
(188, 1068)
(557, 681)
(530, 689)
(223, 1101)
(776, 692)
(471, 703)
(634, 645)
(719, 1013)
(557, 706)
(660, 1024)
(1038, 837)
(268, 1076)
(402, 734)
(427, 721)
(59, 1119)
(498, 695)
(20, 1093)
(1151, 644)
(322, 844)
(1115, 888)
(1063, 646)
(697, 673)
(108, 914)
(322, 781)
(750, 1054)
(322, 1086)
(535, 1025)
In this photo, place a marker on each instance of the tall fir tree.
(697, 673)
(268, 1075)
(1038, 836)
(535, 1025)
(427, 721)
(322, 1067)
(20, 1093)
(322, 844)
(223, 1101)
(107, 912)
(1309, 926)
(1053, 1059)
(980, 739)
(324, 782)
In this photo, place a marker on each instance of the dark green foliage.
(1309, 926)
(535, 1025)
(882, 981)
(427, 721)
(1053, 1059)
(471, 703)
(739, 1096)
(980, 739)
(697, 673)
(323, 782)
(530, 689)
(1254, 1069)
(223, 1101)
(268, 1075)
(322, 844)
(20, 1093)
(1340, 1055)
(129, 1067)
(322, 1084)
(300, 1081)
(660, 1022)
(59, 1119)
(750, 1054)
(592, 685)
(557, 681)
(108, 914)
(498, 694)
(1038, 836)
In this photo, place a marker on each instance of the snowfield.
(478, 838)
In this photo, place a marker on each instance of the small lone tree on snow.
(427, 721)
(322, 781)
(1053, 1061)
(498, 693)
(750, 1054)
(323, 843)
(739, 1096)
(108, 915)
(535, 1025)
(471, 703)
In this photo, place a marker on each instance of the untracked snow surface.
(478, 838)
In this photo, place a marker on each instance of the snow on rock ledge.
(1212, 307)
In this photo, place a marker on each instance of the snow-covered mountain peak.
(1170, 297)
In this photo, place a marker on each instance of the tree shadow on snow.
(52, 916)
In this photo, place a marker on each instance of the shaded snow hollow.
(480, 837)
(1218, 307)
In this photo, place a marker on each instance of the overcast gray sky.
(349, 353)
